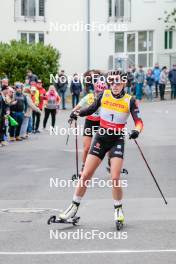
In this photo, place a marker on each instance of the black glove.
(74, 115)
(134, 134)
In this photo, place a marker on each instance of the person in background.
(130, 79)
(35, 114)
(31, 77)
(26, 83)
(172, 79)
(139, 78)
(150, 80)
(4, 110)
(156, 74)
(4, 82)
(62, 86)
(75, 89)
(17, 112)
(28, 113)
(42, 95)
(52, 103)
(162, 82)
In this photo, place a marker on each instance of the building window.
(131, 42)
(168, 39)
(34, 9)
(41, 7)
(142, 41)
(32, 37)
(41, 38)
(119, 42)
(135, 48)
(28, 8)
(119, 8)
(110, 8)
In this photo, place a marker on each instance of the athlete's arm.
(92, 108)
(134, 110)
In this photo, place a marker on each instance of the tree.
(170, 19)
(18, 56)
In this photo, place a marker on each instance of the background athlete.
(92, 121)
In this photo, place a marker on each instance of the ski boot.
(118, 217)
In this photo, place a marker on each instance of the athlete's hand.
(134, 134)
(74, 115)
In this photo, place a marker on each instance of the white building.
(121, 32)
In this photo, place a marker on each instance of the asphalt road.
(29, 194)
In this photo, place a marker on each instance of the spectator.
(163, 82)
(4, 110)
(31, 77)
(30, 106)
(17, 112)
(4, 82)
(139, 78)
(130, 79)
(75, 89)
(35, 114)
(42, 97)
(62, 86)
(172, 79)
(150, 80)
(51, 105)
(156, 73)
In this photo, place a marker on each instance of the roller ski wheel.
(119, 225)
(54, 220)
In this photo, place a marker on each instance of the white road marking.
(148, 251)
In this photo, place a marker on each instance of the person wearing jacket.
(150, 80)
(62, 86)
(28, 113)
(52, 103)
(75, 89)
(163, 82)
(156, 74)
(139, 78)
(17, 112)
(172, 79)
(4, 110)
(130, 79)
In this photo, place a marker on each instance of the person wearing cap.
(28, 113)
(4, 110)
(17, 112)
(172, 79)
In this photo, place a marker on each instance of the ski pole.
(140, 150)
(68, 136)
(76, 143)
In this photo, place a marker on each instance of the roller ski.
(67, 217)
(118, 217)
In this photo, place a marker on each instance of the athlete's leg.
(86, 146)
(116, 166)
(92, 163)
